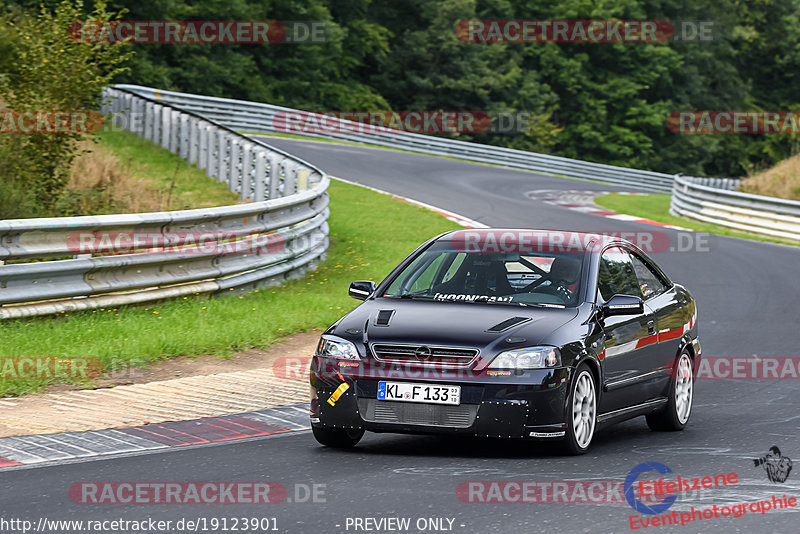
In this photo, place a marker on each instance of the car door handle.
(651, 327)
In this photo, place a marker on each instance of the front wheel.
(339, 438)
(679, 407)
(581, 412)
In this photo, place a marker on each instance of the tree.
(48, 70)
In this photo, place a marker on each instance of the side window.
(425, 278)
(418, 275)
(617, 276)
(454, 266)
(649, 282)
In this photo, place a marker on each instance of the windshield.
(445, 273)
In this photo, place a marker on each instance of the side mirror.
(362, 289)
(623, 305)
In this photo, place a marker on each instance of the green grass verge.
(369, 232)
(656, 208)
(144, 160)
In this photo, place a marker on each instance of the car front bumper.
(528, 406)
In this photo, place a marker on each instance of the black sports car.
(509, 333)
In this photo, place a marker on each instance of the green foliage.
(599, 102)
(46, 70)
(305, 75)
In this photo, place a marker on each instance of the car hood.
(450, 323)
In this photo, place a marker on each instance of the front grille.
(411, 413)
(432, 357)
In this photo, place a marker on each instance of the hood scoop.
(508, 323)
(384, 317)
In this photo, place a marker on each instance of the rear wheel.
(340, 438)
(581, 412)
(679, 407)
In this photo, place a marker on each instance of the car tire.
(338, 438)
(581, 412)
(681, 393)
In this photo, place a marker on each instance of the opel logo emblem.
(422, 353)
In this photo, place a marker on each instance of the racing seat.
(563, 273)
(476, 277)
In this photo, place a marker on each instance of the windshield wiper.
(485, 300)
(545, 305)
(409, 296)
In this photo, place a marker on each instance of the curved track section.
(747, 306)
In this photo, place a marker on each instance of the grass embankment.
(370, 232)
(123, 173)
(656, 208)
(782, 180)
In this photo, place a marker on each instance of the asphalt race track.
(747, 299)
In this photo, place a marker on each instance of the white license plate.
(409, 392)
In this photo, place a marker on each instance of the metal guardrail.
(265, 118)
(705, 199)
(131, 258)
(712, 200)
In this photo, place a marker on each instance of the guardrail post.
(234, 166)
(149, 121)
(247, 171)
(183, 147)
(137, 120)
(122, 115)
(125, 112)
(166, 127)
(302, 178)
(130, 113)
(260, 178)
(157, 122)
(211, 152)
(290, 179)
(194, 139)
(115, 105)
(175, 131)
(106, 99)
(202, 144)
(275, 175)
(222, 156)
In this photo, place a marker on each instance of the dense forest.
(605, 102)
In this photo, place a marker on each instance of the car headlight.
(527, 358)
(336, 347)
